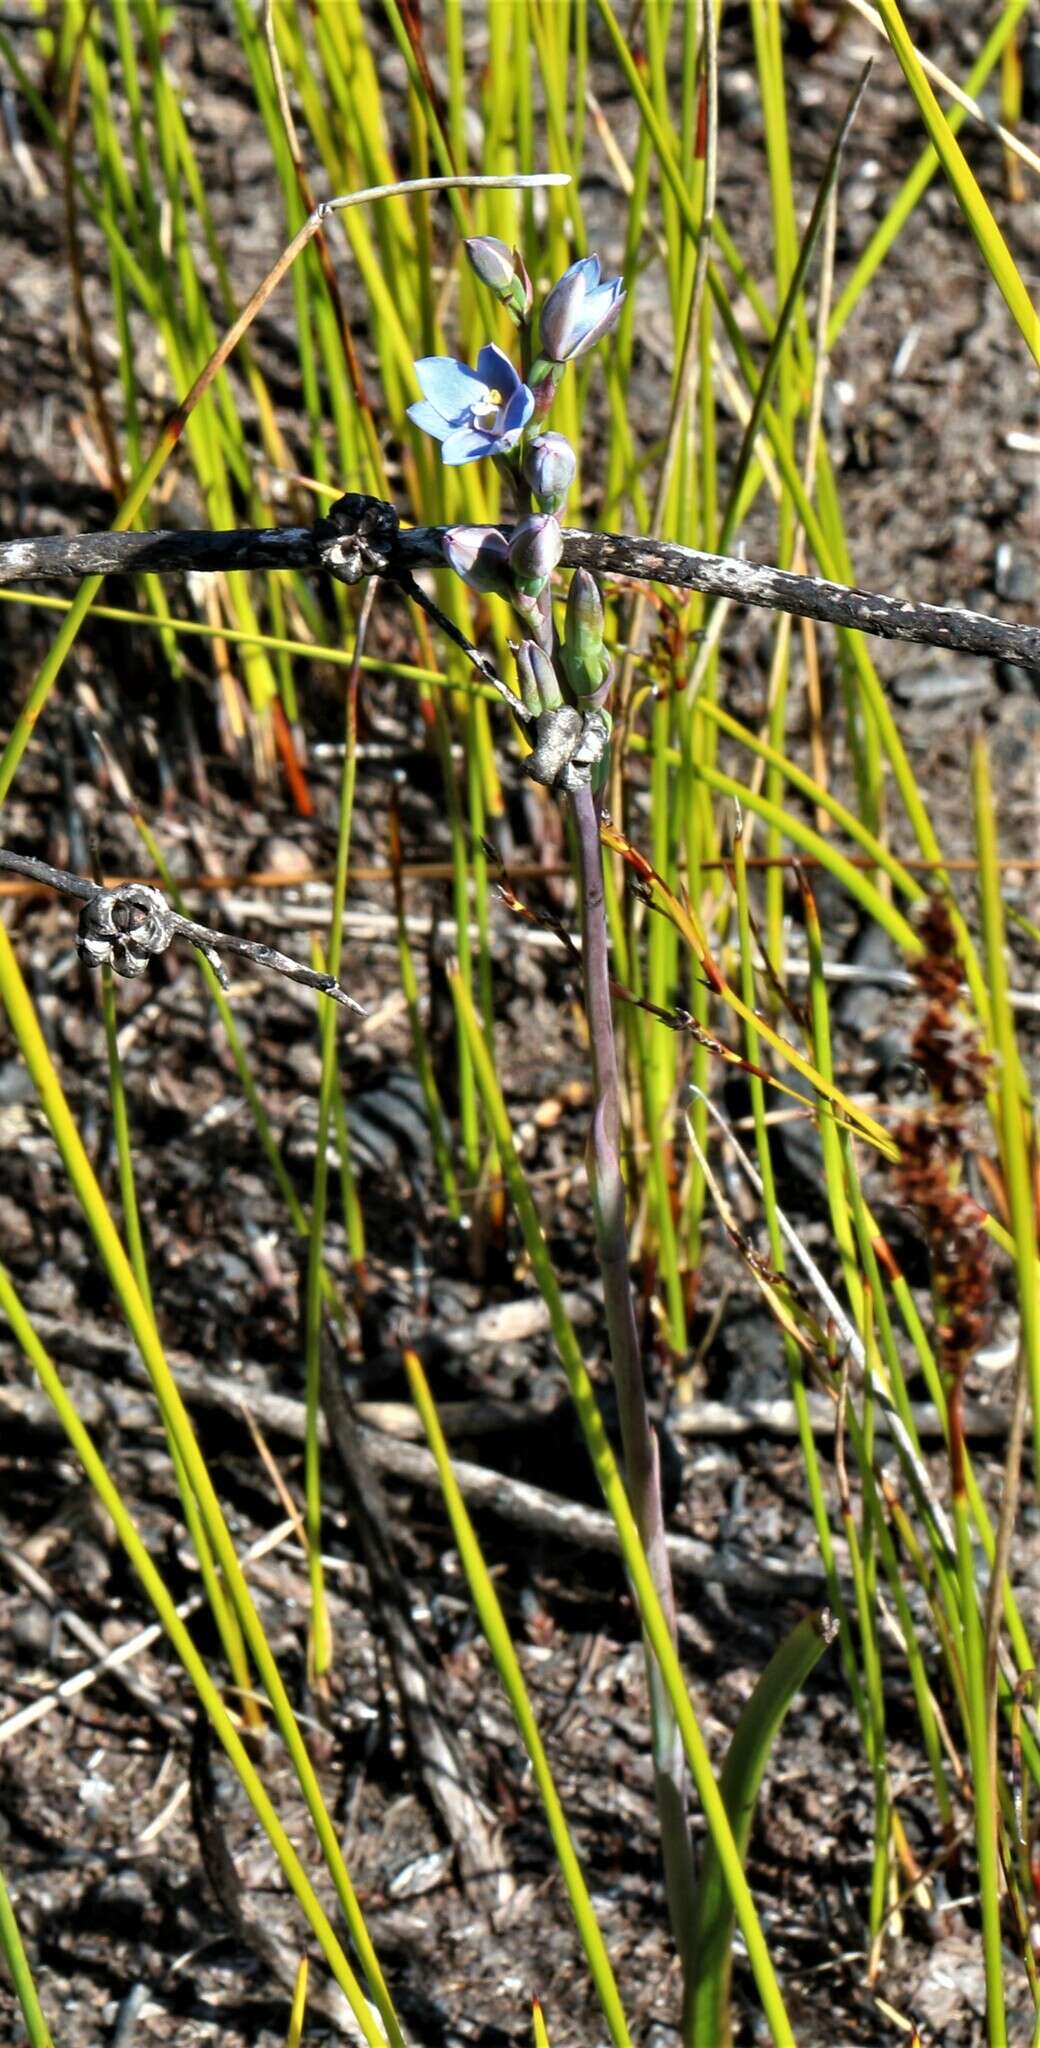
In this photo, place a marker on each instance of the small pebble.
(32, 1628)
(277, 855)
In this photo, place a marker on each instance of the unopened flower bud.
(492, 261)
(539, 685)
(534, 550)
(584, 626)
(579, 311)
(480, 555)
(549, 467)
(586, 658)
(502, 270)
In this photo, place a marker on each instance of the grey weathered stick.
(96, 1349)
(611, 554)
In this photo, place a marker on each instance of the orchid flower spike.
(471, 412)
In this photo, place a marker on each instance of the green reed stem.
(982, 1778)
(13, 1950)
(321, 1626)
(223, 1613)
(27, 1032)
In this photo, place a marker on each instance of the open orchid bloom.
(471, 412)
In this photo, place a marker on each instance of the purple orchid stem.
(638, 1439)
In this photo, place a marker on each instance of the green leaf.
(706, 2022)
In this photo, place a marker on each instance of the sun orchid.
(565, 679)
(471, 412)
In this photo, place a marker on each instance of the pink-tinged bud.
(480, 555)
(549, 468)
(534, 550)
(492, 262)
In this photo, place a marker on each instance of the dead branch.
(609, 554)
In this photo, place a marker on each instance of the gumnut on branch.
(126, 926)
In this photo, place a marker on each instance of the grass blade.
(21, 1975)
(972, 200)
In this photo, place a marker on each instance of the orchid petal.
(496, 370)
(479, 555)
(594, 324)
(515, 413)
(560, 312)
(465, 545)
(587, 268)
(465, 444)
(579, 310)
(597, 302)
(450, 386)
(423, 414)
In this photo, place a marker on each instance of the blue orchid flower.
(579, 311)
(471, 412)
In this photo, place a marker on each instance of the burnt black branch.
(383, 549)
